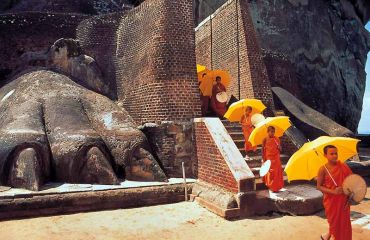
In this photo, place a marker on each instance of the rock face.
(312, 123)
(66, 6)
(321, 46)
(27, 26)
(52, 128)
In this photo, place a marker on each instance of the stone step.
(234, 128)
(260, 185)
(295, 199)
(256, 170)
(255, 161)
(240, 144)
(236, 135)
(256, 154)
(279, 113)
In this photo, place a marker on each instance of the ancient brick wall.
(25, 32)
(173, 143)
(211, 166)
(155, 62)
(227, 40)
(97, 37)
(148, 56)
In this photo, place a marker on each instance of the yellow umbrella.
(237, 109)
(281, 124)
(200, 68)
(202, 71)
(206, 86)
(225, 76)
(306, 162)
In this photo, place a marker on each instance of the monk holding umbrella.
(242, 111)
(205, 87)
(267, 133)
(324, 158)
(218, 102)
(219, 95)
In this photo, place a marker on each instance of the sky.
(364, 126)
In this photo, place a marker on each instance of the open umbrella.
(200, 68)
(225, 76)
(206, 85)
(281, 124)
(306, 162)
(208, 79)
(202, 71)
(237, 109)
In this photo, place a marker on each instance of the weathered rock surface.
(325, 43)
(29, 27)
(66, 56)
(64, 6)
(303, 199)
(53, 128)
(312, 123)
(181, 150)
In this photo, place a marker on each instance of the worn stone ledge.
(66, 203)
(302, 199)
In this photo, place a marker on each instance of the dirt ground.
(186, 220)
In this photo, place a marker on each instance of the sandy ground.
(186, 220)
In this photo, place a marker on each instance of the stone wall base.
(222, 202)
(66, 203)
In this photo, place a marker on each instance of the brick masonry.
(228, 37)
(211, 166)
(173, 143)
(97, 37)
(148, 56)
(155, 62)
(219, 160)
(227, 40)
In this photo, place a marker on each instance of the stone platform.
(302, 199)
(59, 198)
(294, 199)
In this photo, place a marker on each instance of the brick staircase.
(254, 161)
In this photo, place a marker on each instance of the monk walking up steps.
(247, 128)
(271, 149)
(337, 210)
(218, 107)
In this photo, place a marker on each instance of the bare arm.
(320, 183)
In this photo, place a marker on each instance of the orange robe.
(218, 107)
(204, 104)
(247, 128)
(274, 178)
(336, 211)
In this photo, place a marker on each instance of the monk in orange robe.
(337, 210)
(271, 151)
(247, 128)
(218, 107)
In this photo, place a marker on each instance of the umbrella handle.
(331, 176)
